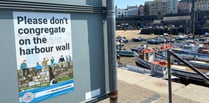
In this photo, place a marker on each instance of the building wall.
(132, 11)
(202, 5)
(162, 7)
(141, 10)
(184, 7)
(129, 12)
(157, 7)
(120, 13)
(172, 6)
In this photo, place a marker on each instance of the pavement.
(140, 88)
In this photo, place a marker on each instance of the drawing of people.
(69, 59)
(24, 68)
(51, 76)
(45, 62)
(38, 68)
(52, 62)
(61, 61)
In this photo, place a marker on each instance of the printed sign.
(43, 54)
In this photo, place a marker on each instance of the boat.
(121, 39)
(181, 36)
(153, 41)
(186, 46)
(147, 58)
(126, 53)
(137, 48)
(122, 51)
(139, 39)
(192, 51)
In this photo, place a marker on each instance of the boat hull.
(189, 55)
(126, 53)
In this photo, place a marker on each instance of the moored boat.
(125, 53)
(192, 51)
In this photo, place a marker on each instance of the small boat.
(206, 34)
(139, 39)
(137, 48)
(153, 41)
(181, 37)
(125, 53)
(121, 39)
(122, 51)
(161, 39)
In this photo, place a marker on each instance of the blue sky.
(122, 4)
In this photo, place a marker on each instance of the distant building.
(184, 7)
(161, 7)
(132, 11)
(141, 10)
(120, 13)
(202, 5)
(172, 6)
(146, 8)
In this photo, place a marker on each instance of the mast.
(193, 18)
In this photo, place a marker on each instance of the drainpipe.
(112, 51)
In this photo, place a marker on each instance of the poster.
(43, 54)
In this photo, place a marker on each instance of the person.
(38, 68)
(70, 60)
(52, 62)
(24, 68)
(45, 62)
(61, 61)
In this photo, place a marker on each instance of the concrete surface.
(139, 88)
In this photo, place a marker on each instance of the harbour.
(185, 74)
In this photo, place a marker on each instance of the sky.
(122, 4)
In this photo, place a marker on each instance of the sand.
(129, 34)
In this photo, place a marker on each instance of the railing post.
(169, 77)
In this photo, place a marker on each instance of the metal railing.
(171, 53)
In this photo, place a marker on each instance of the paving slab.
(175, 99)
(195, 93)
(131, 77)
(159, 85)
(156, 84)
